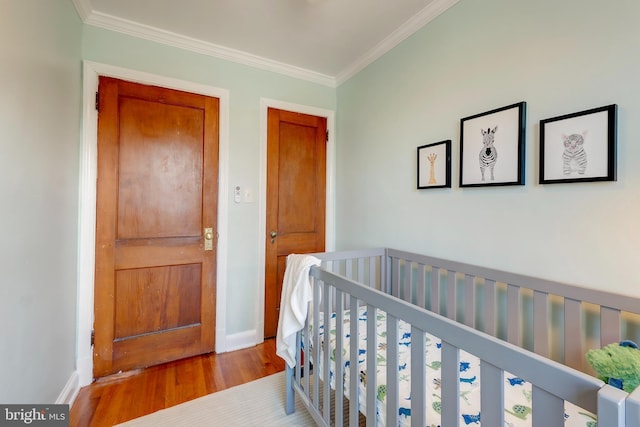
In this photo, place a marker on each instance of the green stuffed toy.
(617, 364)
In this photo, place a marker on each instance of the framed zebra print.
(579, 147)
(492, 147)
(434, 165)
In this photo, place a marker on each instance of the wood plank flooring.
(120, 398)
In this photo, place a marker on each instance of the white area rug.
(257, 403)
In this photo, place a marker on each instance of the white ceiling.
(325, 41)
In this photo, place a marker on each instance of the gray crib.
(527, 330)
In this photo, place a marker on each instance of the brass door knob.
(208, 239)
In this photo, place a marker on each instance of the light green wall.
(559, 57)
(246, 87)
(40, 120)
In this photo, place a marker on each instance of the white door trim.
(87, 202)
(265, 104)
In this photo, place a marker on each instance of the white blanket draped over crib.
(296, 294)
(517, 391)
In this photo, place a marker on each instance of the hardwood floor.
(121, 398)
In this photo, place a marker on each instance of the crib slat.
(353, 362)
(541, 323)
(435, 290)
(406, 292)
(573, 346)
(632, 409)
(360, 276)
(469, 301)
(451, 295)
(392, 374)
(490, 307)
(306, 364)
(326, 312)
(450, 373)
(315, 393)
(385, 272)
(373, 274)
(613, 405)
(548, 410)
(492, 396)
(371, 363)
(420, 286)
(395, 272)
(339, 366)
(418, 377)
(609, 326)
(513, 314)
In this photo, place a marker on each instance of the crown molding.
(422, 18)
(136, 29)
(83, 8)
(154, 34)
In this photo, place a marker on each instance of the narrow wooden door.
(296, 198)
(156, 201)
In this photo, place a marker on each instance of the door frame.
(87, 202)
(265, 104)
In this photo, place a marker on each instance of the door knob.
(208, 239)
(274, 234)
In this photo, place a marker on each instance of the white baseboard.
(84, 368)
(70, 390)
(241, 340)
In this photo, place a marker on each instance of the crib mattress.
(517, 391)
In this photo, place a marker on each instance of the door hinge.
(327, 136)
(93, 337)
(98, 101)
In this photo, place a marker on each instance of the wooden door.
(296, 198)
(156, 194)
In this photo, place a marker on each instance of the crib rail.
(552, 382)
(522, 310)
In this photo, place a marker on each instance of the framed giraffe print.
(492, 147)
(579, 147)
(434, 165)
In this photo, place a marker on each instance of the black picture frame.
(434, 165)
(579, 147)
(492, 147)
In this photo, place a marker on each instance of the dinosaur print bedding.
(517, 391)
